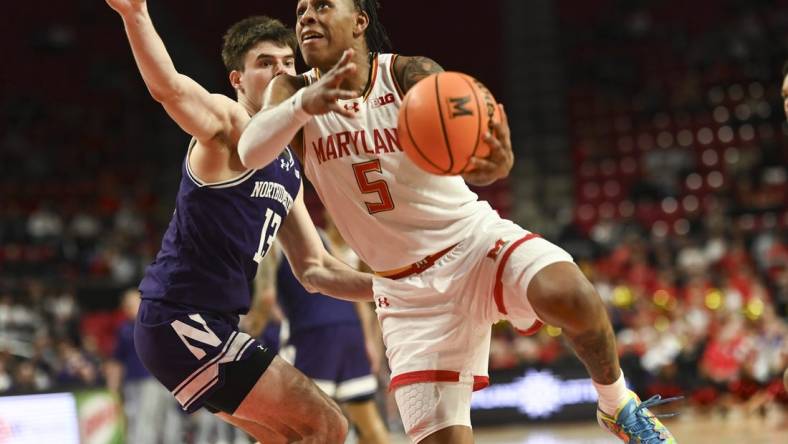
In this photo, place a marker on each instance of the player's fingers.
(347, 55)
(497, 150)
(479, 166)
(335, 77)
(340, 94)
(501, 131)
(504, 117)
(342, 64)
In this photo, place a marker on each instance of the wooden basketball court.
(687, 430)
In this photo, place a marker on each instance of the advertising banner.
(35, 419)
(100, 417)
(531, 395)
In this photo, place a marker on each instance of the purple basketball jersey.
(218, 234)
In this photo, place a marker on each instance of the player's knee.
(563, 297)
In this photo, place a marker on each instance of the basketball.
(442, 122)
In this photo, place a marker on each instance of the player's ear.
(235, 80)
(362, 22)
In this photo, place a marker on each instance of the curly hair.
(377, 39)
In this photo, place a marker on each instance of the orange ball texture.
(443, 120)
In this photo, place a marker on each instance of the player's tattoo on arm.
(597, 350)
(410, 70)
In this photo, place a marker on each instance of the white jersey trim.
(221, 184)
(199, 382)
(350, 389)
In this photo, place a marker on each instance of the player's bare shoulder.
(232, 117)
(410, 69)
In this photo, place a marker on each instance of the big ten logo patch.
(382, 101)
(383, 302)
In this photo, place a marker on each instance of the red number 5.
(380, 187)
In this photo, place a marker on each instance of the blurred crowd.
(701, 315)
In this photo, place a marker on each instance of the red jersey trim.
(498, 290)
(403, 379)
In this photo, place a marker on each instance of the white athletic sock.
(612, 396)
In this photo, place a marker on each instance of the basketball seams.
(413, 139)
(478, 127)
(460, 145)
(443, 125)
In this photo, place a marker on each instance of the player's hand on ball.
(126, 6)
(321, 97)
(501, 159)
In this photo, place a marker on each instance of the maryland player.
(449, 266)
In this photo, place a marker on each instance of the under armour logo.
(496, 250)
(352, 107)
(286, 161)
(383, 302)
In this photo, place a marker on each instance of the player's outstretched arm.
(313, 265)
(287, 107)
(195, 110)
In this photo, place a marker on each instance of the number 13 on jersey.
(272, 223)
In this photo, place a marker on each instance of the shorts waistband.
(416, 267)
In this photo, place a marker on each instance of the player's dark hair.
(245, 34)
(377, 39)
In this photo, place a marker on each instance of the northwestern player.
(226, 217)
(454, 266)
(333, 342)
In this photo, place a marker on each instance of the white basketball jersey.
(391, 212)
